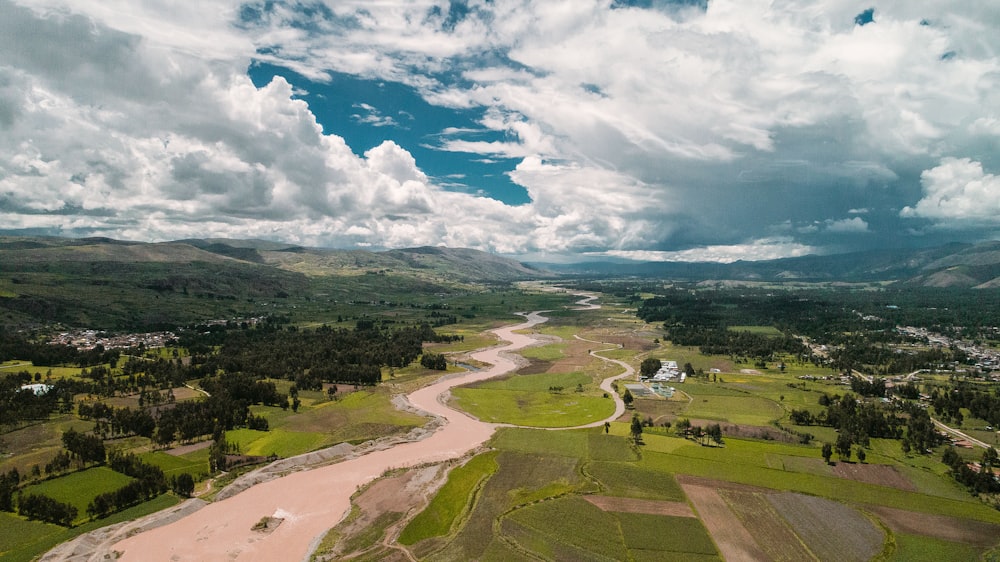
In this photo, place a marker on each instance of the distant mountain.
(951, 265)
(122, 284)
(454, 264)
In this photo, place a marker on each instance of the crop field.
(627, 480)
(276, 441)
(14, 531)
(770, 530)
(571, 524)
(40, 537)
(538, 408)
(831, 530)
(450, 501)
(918, 548)
(760, 330)
(665, 534)
(194, 463)
(37, 443)
(745, 468)
(79, 488)
(354, 417)
(750, 410)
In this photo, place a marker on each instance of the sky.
(550, 130)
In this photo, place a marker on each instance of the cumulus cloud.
(851, 225)
(755, 250)
(958, 192)
(634, 130)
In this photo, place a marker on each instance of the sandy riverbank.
(312, 501)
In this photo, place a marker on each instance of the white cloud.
(763, 249)
(957, 192)
(851, 225)
(633, 128)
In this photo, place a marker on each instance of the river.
(312, 501)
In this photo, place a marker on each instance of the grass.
(534, 409)
(744, 466)
(537, 441)
(276, 441)
(770, 331)
(550, 352)
(32, 540)
(571, 525)
(194, 463)
(449, 503)
(624, 479)
(79, 488)
(749, 410)
(917, 548)
(355, 417)
(18, 534)
(665, 534)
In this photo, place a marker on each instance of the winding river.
(311, 501)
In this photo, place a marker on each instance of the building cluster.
(985, 359)
(89, 339)
(669, 372)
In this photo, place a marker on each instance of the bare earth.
(634, 505)
(953, 529)
(881, 474)
(310, 502)
(735, 543)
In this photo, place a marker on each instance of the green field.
(527, 400)
(275, 441)
(79, 488)
(760, 330)
(37, 538)
(194, 463)
(449, 503)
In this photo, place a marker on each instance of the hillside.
(952, 265)
(112, 284)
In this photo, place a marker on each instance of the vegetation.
(779, 381)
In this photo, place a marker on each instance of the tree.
(636, 429)
(827, 452)
(627, 398)
(183, 484)
(607, 427)
(649, 367)
(715, 432)
(844, 443)
(861, 454)
(689, 369)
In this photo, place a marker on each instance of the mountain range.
(951, 265)
(123, 284)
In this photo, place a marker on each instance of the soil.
(633, 505)
(880, 474)
(398, 493)
(733, 540)
(966, 531)
(832, 530)
(185, 449)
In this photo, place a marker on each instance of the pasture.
(449, 503)
(79, 488)
(542, 400)
(786, 502)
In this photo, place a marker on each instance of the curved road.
(312, 501)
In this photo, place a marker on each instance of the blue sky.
(369, 111)
(657, 129)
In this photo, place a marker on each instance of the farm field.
(536, 501)
(79, 488)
